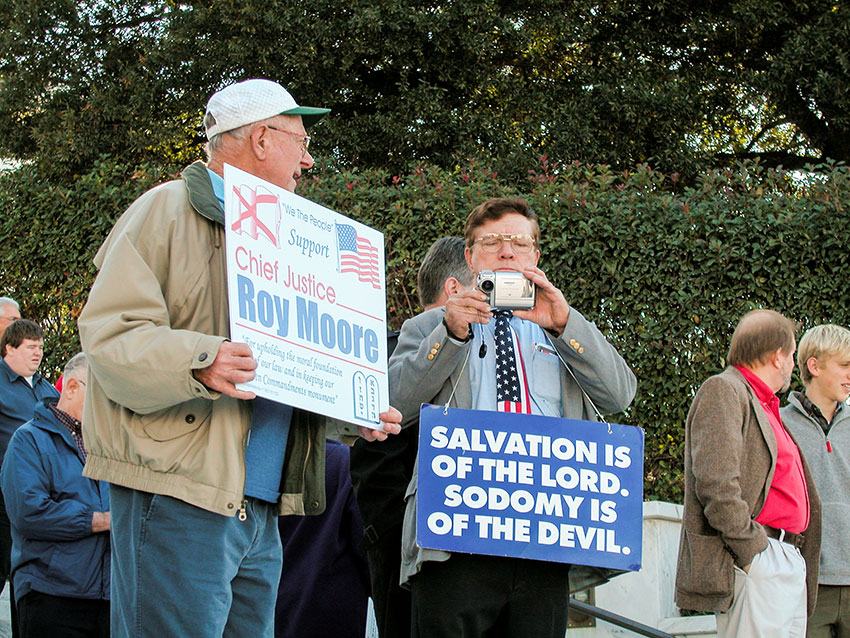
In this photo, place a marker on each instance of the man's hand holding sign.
(539, 357)
(234, 365)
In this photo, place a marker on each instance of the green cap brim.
(309, 114)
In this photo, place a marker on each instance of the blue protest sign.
(530, 486)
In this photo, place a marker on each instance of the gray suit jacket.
(730, 459)
(427, 365)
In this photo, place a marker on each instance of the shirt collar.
(201, 195)
(12, 375)
(763, 392)
(217, 182)
(815, 412)
(66, 419)
(811, 407)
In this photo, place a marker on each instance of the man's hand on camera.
(551, 309)
(464, 308)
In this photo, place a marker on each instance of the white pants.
(770, 599)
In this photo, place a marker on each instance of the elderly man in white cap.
(199, 470)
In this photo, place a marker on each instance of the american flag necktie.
(511, 383)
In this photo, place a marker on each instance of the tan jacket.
(730, 458)
(158, 310)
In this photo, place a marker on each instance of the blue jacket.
(50, 505)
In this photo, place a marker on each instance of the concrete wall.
(647, 596)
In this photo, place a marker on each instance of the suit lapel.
(463, 393)
(769, 439)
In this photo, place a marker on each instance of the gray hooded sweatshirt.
(828, 456)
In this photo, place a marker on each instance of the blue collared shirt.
(542, 367)
(18, 400)
(266, 449)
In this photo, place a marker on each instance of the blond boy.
(820, 421)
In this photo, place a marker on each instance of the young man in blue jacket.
(60, 520)
(21, 388)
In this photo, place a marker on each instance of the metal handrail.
(616, 619)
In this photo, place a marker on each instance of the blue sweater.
(50, 505)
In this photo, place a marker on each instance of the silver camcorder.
(507, 290)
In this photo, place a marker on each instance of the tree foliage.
(50, 234)
(438, 105)
(677, 85)
(664, 272)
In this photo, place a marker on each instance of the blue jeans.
(178, 570)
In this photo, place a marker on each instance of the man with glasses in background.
(199, 470)
(60, 520)
(450, 355)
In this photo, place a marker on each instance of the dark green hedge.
(665, 271)
(49, 234)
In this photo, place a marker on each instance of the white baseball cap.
(251, 101)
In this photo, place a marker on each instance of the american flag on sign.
(357, 255)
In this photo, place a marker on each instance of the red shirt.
(787, 504)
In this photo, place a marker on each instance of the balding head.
(74, 386)
(759, 334)
(764, 343)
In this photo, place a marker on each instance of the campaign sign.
(306, 293)
(530, 486)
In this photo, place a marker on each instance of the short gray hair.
(75, 364)
(8, 301)
(445, 258)
(216, 142)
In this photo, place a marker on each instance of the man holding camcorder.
(504, 349)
